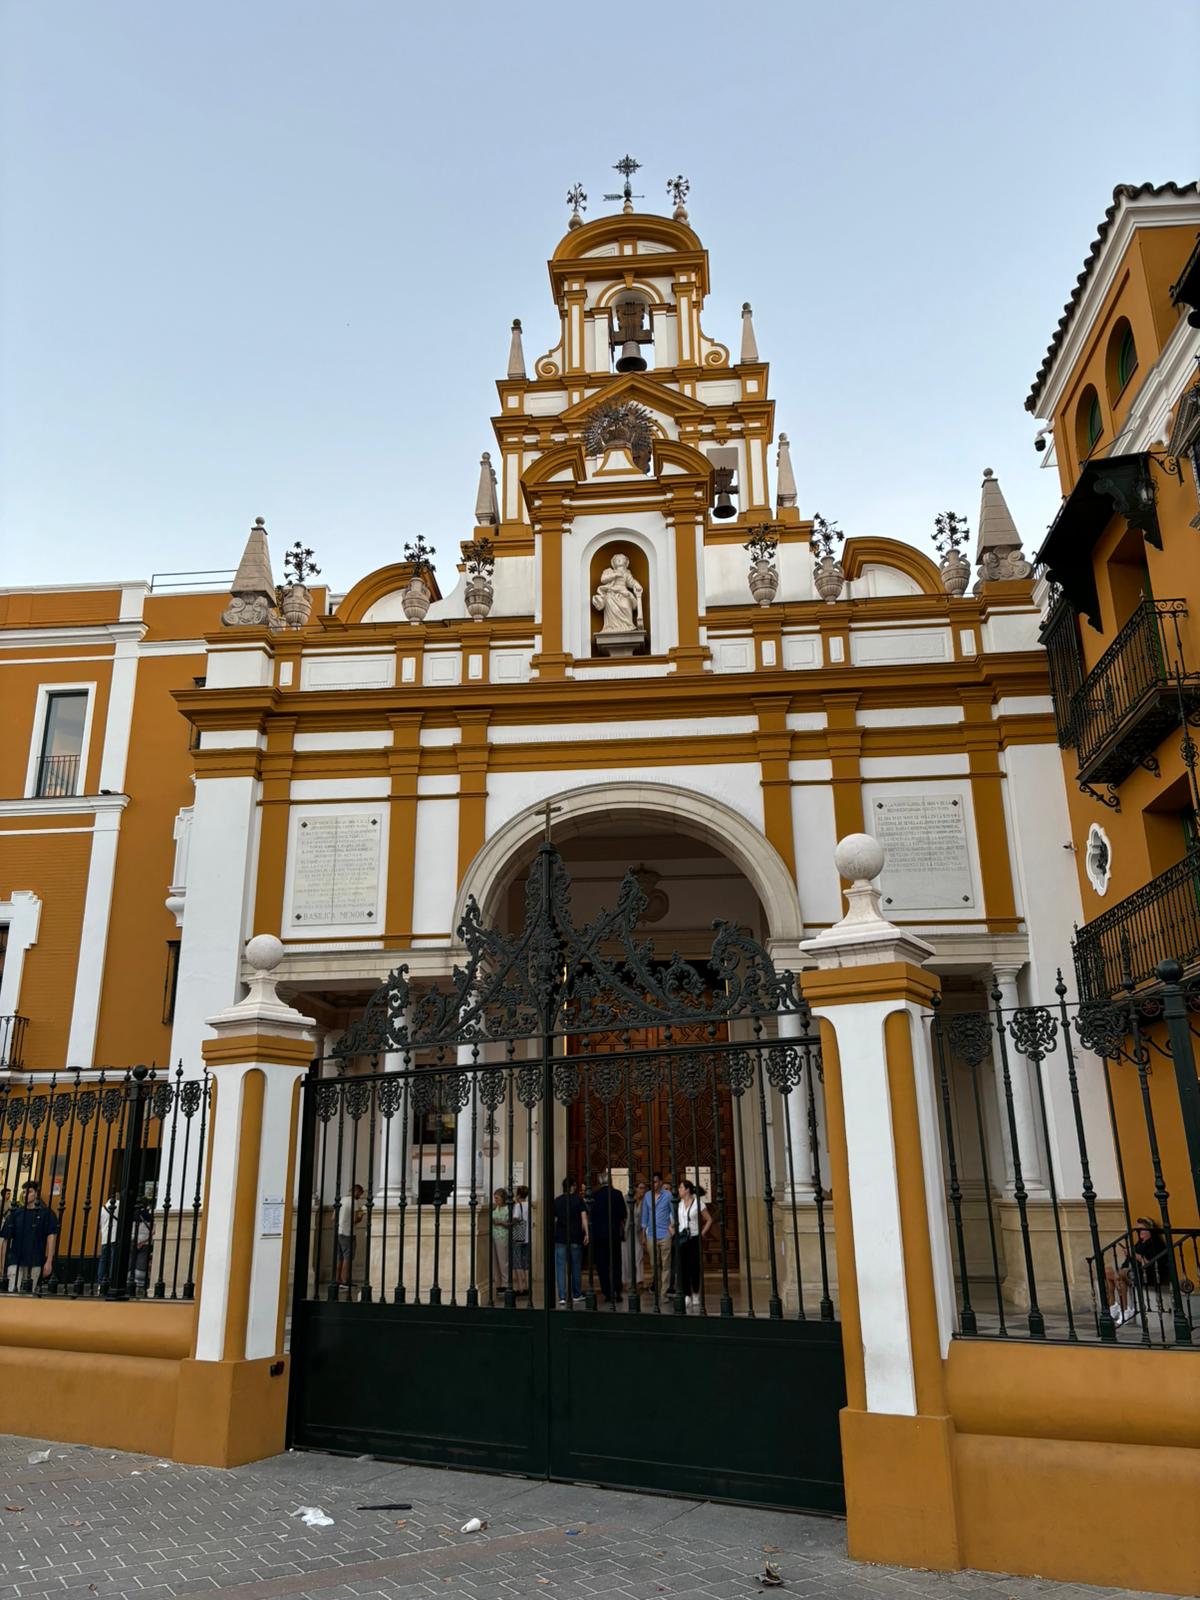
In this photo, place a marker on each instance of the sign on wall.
(928, 864)
(335, 870)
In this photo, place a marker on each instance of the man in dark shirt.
(607, 1219)
(27, 1240)
(570, 1236)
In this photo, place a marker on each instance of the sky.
(260, 257)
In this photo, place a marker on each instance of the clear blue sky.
(260, 257)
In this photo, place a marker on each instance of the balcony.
(1138, 691)
(1158, 922)
(58, 777)
(12, 1042)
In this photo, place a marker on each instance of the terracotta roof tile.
(1123, 191)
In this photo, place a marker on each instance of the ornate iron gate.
(444, 1310)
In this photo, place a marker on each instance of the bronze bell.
(631, 332)
(723, 505)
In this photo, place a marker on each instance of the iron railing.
(12, 1041)
(1034, 1250)
(1138, 691)
(1122, 947)
(115, 1162)
(58, 777)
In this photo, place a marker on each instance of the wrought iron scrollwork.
(552, 976)
(970, 1034)
(1034, 1031)
(1102, 1028)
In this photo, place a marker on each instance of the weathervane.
(678, 188)
(627, 166)
(577, 200)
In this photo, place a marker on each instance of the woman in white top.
(692, 1223)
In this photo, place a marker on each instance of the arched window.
(1126, 357)
(1122, 358)
(1089, 423)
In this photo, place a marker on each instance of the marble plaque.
(928, 865)
(335, 870)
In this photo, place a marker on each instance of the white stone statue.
(619, 597)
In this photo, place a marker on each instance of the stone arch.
(698, 816)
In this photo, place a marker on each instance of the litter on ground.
(313, 1517)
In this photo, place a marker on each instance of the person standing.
(637, 1243)
(501, 1238)
(658, 1227)
(570, 1236)
(140, 1244)
(520, 1241)
(27, 1241)
(607, 1219)
(349, 1215)
(110, 1222)
(692, 1222)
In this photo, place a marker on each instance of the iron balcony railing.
(12, 1041)
(1158, 922)
(1138, 691)
(58, 777)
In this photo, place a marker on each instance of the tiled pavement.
(89, 1523)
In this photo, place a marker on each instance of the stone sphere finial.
(859, 857)
(264, 952)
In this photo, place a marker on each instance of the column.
(232, 1403)
(871, 996)
(800, 1181)
(389, 1155)
(1029, 1136)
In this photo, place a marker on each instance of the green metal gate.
(436, 1317)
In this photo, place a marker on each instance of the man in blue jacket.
(27, 1241)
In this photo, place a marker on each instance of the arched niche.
(639, 565)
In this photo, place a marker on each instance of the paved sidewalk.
(89, 1523)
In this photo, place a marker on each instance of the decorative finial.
(749, 343)
(516, 352)
(998, 552)
(785, 489)
(627, 166)
(988, 473)
(678, 188)
(487, 509)
(577, 200)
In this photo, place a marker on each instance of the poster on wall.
(335, 870)
(928, 865)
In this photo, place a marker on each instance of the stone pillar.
(801, 1180)
(871, 996)
(233, 1393)
(389, 1154)
(1029, 1133)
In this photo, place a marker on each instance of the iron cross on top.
(548, 811)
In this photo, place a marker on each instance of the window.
(170, 981)
(58, 770)
(1095, 422)
(1126, 357)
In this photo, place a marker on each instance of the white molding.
(93, 940)
(22, 914)
(81, 805)
(172, 647)
(41, 707)
(1150, 414)
(118, 718)
(1151, 212)
(89, 633)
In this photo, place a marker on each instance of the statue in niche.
(619, 597)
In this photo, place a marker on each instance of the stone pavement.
(90, 1523)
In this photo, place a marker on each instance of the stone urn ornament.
(480, 558)
(829, 579)
(417, 596)
(764, 574)
(295, 597)
(950, 534)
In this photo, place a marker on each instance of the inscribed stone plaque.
(335, 870)
(928, 863)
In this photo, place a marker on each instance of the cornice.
(67, 635)
(84, 805)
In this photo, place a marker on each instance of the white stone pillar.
(390, 1142)
(1028, 1124)
(799, 1178)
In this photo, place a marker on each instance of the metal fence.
(425, 1185)
(1076, 1238)
(102, 1177)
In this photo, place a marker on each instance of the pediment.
(643, 390)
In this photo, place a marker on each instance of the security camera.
(1041, 439)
